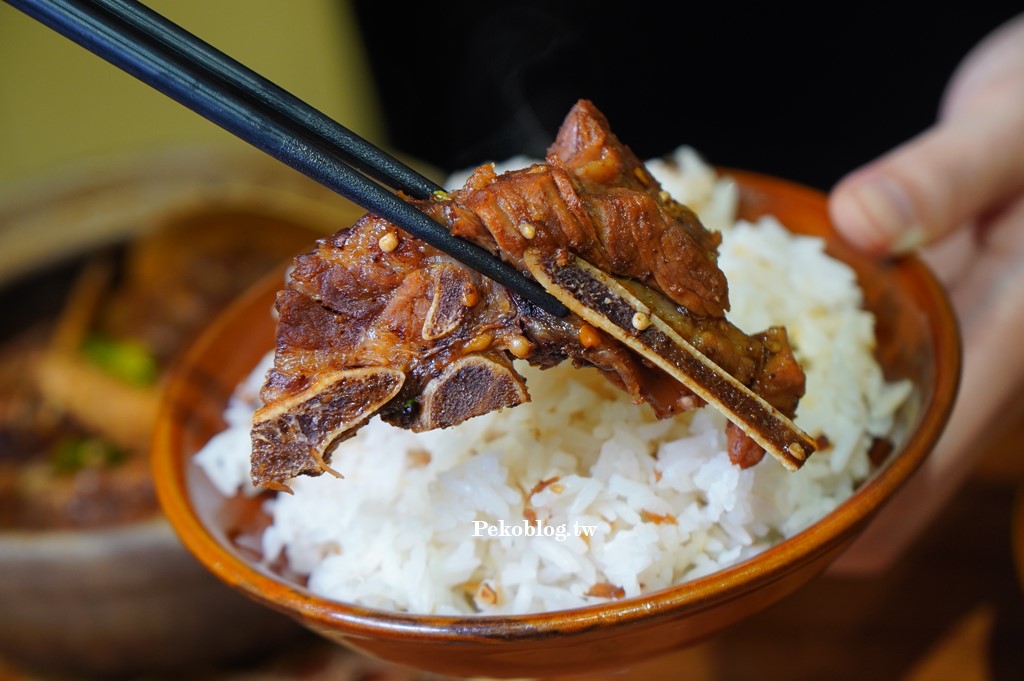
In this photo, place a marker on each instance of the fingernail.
(889, 210)
(910, 239)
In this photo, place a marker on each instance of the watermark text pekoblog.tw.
(536, 528)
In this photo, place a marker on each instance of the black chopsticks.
(366, 157)
(197, 75)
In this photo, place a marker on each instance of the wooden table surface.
(952, 608)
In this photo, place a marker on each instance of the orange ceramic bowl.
(917, 340)
(1017, 533)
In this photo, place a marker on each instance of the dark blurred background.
(804, 94)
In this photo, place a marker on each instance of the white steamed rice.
(409, 527)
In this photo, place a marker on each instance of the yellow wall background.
(60, 103)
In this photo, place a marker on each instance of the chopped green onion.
(73, 454)
(410, 407)
(128, 360)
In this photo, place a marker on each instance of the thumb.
(952, 173)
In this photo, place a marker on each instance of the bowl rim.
(721, 586)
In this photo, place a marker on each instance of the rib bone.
(601, 300)
(314, 419)
(469, 387)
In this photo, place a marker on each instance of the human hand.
(954, 194)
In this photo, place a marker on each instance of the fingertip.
(874, 213)
(853, 223)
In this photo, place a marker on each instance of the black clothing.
(807, 95)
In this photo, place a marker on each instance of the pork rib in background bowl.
(109, 270)
(916, 340)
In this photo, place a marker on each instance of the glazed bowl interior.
(917, 340)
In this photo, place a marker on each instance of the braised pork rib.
(373, 321)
